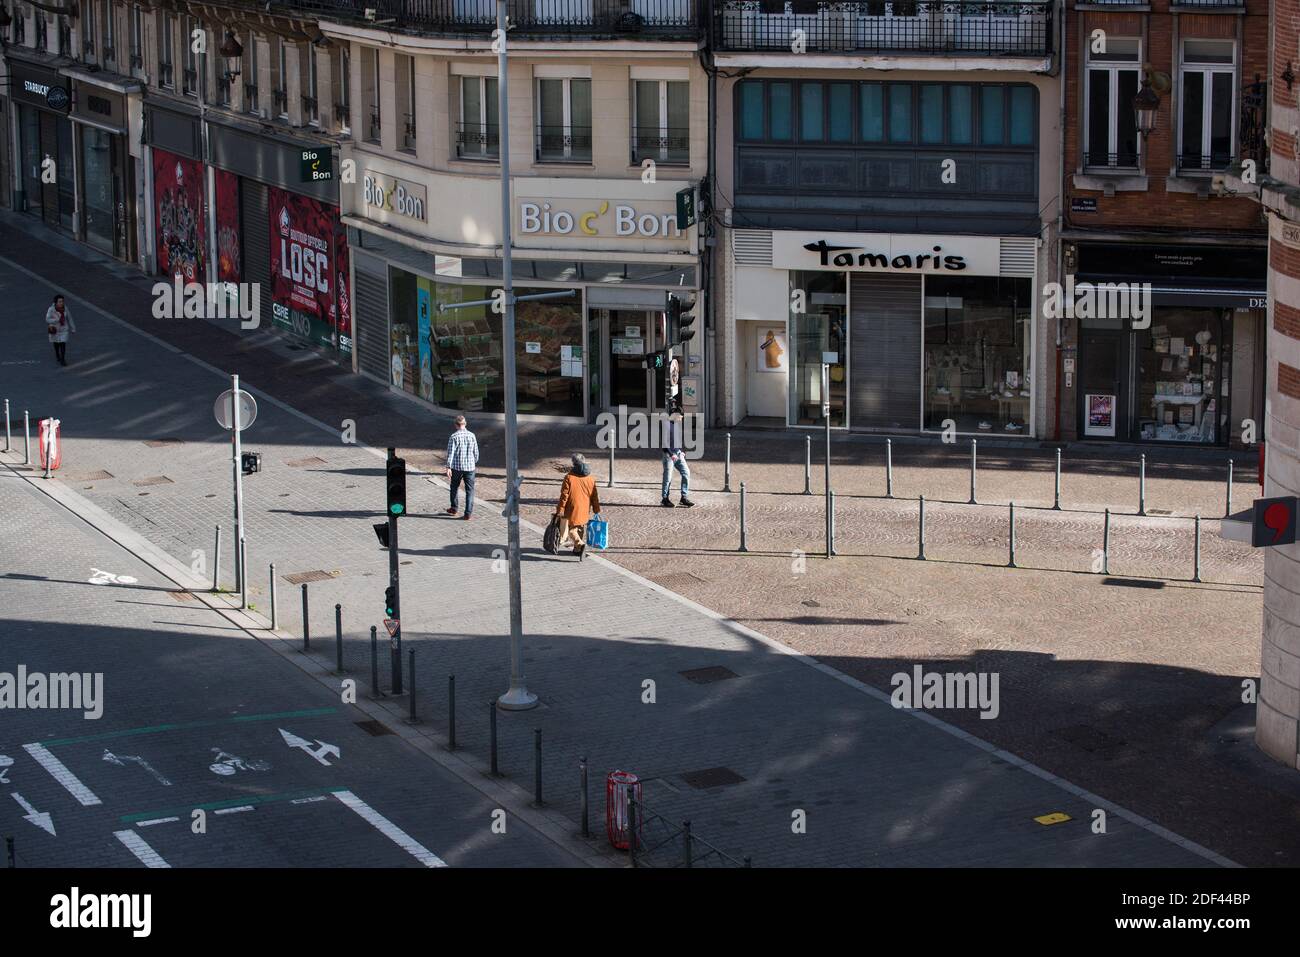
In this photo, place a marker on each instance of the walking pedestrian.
(673, 457)
(462, 459)
(578, 500)
(58, 323)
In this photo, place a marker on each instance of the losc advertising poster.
(309, 295)
(178, 215)
(229, 262)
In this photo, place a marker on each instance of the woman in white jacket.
(58, 323)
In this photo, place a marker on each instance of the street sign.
(1274, 521)
(225, 414)
(392, 624)
(317, 166)
(686, 207)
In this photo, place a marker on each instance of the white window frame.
(481, 119)
(409, 139)
(1112, 68)
(136, 52)
(567, 103)
(344, 117)
(190, 59)
(108, 42)
(281, 61)
(313, 86)
(662, 156)
(167, 52)
(252, 71)
(1207, 70)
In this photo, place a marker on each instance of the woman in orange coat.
(578, 499)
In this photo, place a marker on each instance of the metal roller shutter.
(371, 315)
(885, 352)
(255, 229)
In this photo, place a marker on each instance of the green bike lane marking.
(184, 726)
(233, 802)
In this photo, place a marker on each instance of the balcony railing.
(919, 26)
(671, 146)
(662, 19)
(477, 141)
(1127, 160)
(564, 144)
(1232, 4)
(1204, 162)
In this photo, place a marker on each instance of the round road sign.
(225, 414)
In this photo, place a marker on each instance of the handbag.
(52, 329)
(597, 532)
(551, 537)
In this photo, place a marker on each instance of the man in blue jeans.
(674, 457)
(462, 459)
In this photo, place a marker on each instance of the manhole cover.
(152, 480)
(302, 578)
(375, 728)
(711, 778)
(1133, 582)
(1160, 511)
(159, 443)
(303, 463)
(1090, 739)
(97, 476)
(183, 596)
(675, 581)
(704, 676)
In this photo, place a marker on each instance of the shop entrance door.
(633, 335)
(1103, 385)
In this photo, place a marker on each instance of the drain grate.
(675, 581)
(317, 575)
(161, 443)
(183, 596)
(704, 676)
(375, 728)
(711, 778)
(304, 463)
(96, 476)
(1133, 582)
(1160, 511)
(152, 480)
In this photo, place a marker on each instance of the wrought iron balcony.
(949, 27)
(477, 141)
(671, 146)
(1230, 4)
(564, 144)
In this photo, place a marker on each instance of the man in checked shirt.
(462, 457)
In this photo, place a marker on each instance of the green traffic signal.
(397, 508)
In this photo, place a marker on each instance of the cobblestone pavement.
(191, 718)
(1128, 685)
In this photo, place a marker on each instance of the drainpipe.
(1060, 228)
(709, 247)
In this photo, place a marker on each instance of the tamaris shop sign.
(309, 270)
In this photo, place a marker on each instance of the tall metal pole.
(394, 574)
(237, 469)
(826, 417)
(518, 697)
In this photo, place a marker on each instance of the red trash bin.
(48, 441)
(618, 785)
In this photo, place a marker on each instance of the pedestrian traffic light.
(381, 530)
(390, 601)
(396, 486)
(680, 318)
(656, 361)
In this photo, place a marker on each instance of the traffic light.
(390, 601)
(396, 486)
(381, 530)
(680, 318)
(656, 361)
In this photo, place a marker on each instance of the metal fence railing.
(657, 842)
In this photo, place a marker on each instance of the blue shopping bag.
(597, 532)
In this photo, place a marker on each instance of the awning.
(1239, 296)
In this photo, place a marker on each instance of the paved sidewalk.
(879, 786)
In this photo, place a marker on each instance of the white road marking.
(390, 830)
(41, 819)
(61, 774)
(311, 800)
(121, 761)
(234, 810)
(136, 844)
(320, 753)
(157, 820)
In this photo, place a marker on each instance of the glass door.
(821, 328)
(631, 339)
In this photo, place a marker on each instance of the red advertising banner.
(178, 215)
(230, 265)
(308, 264)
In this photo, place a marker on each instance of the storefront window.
(97, 163)
(1183, 369)
(29, 130)
(977, 354)
(819, 328)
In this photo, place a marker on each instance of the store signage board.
(902, 253)
(316, 165)
(686, 207)
(1274, 521)
(392, 195)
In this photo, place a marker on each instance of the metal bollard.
(1142, 485)
(537, 767)
(374, 663)
(1196, 555)
(743, 546)
(748, 861)
(920, 536)
(10, 853)
(27, 439)
(1105, 545)
(216, 562)
(631, 826)
(807, 464)
(889, 468)
(611, 460)
(241, 555)
(972, 472)
(1011, 563)
(451, 712)
(49, 458)
(411, 682)
(1056, 497)
(582, 776)
(338, 638)
(726, 468)
(306, 624)
(687, 850)
(274, 608)
(1227, 512)
(492, 735)
(7, 425)
(830, 524)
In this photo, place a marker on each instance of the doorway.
(1103, 385)
(633, 335)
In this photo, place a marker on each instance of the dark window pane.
(873, 112)
(1098, 117)
(1126, 117)
(900, 113)
(1022, 116)
(781, 95)
(1193, 104)
(751, 110)
(931, 113)
(810, 111)
(1221, 119)
(841, 113)
(960, 119)
(991, 115)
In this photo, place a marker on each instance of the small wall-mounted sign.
(1083, 204)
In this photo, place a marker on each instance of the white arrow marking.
(120, 761)
(320, 753)
(41, 819)
(6, 763)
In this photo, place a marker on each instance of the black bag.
(551, 537)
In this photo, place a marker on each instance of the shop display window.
(1183, 369)
(978, 370)
(821, 326)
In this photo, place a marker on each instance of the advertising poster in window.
(178, 216)
(1101, 415)
(771, 351)
(425, 330)
(309, 294)
(229, 262)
